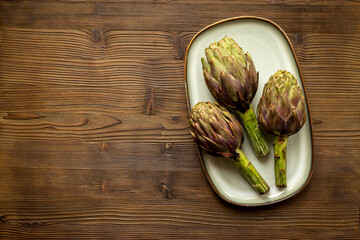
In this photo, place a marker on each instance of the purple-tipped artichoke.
(230, 74)
(219, 133)
(281, 111)
(232, 79)
(215, 129)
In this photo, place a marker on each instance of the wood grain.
(185, 15)
(94, 138)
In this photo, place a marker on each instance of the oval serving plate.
(271, 50)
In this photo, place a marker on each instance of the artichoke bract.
(232, 79)
(281, 111)
(219, 133)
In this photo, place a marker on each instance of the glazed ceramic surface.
(271, 51)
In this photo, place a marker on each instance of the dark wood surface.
(94, 138)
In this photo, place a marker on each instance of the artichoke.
(218, 133)
(281, 111)
(232, 79)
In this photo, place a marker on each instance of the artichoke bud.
(227, 64)
(281, 109)
(215, 129)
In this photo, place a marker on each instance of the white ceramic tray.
(271, 50)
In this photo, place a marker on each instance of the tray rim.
(307, 104)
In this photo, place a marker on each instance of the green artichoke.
(218, 133)
(281, 111)
(232, 79)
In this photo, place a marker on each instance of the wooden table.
(94, 137)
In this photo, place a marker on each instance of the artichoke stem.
(257, 138)
(280, 160)
(250, 173)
